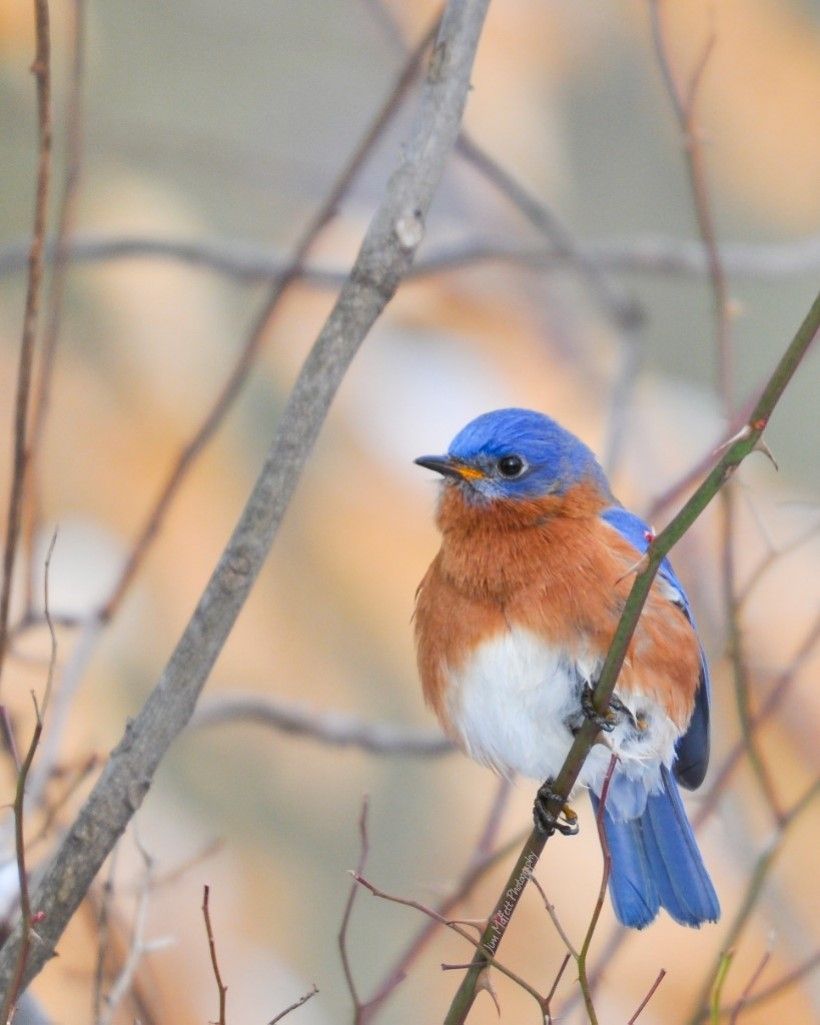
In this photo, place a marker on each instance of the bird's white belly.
(514, 701)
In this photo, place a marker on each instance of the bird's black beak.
(449, 467)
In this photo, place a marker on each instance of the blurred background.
(224, 126)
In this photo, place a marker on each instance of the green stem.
(737, 450)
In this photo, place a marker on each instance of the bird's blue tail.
(656, 863)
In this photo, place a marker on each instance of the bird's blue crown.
(524, 454)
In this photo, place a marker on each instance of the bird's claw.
(548, 821)
(607, 721)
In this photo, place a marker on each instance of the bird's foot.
(607, 721)
(548, 820)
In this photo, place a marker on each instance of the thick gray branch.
(384, 258)
(339, 729)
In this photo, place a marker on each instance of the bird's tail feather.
(656, 863)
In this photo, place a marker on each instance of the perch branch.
(745, 443)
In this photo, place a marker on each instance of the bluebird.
(513, 621)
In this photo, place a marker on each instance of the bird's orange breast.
(554, 567)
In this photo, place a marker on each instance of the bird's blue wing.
(692, 749)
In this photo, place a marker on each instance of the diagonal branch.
(384, 258)
(734, 453)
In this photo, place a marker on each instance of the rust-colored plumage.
(553, 566)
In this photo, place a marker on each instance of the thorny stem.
(735, 452)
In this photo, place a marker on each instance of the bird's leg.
(609, 719)
(547, 819)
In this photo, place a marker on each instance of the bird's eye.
(511, 466)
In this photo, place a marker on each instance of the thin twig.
(780, 985)
(302, 1000)
(222, 989)
(28, 920)
(555, 983)
(359, 1007)
(137, 948)
(42, 72)
(750, 985)
(456, 928)
(65, 690)
(482, 859)
(327, 727)
(650, 993)
(550, 908)
(17, 986)
(583, 980)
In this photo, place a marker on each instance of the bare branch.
(137, 948)
(42, 72)
(27, 919)
(481, 861)
(248, 263)
(386, 253)
(651, 992)
(750, 985)
(359, 1007)
(328, 727)
(298, 1003)
(221, 987)
(555, 984)
(456, 928)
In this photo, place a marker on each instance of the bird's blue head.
(516, 453)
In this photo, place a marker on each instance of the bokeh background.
(227, 124)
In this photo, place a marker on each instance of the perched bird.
(513, 621)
